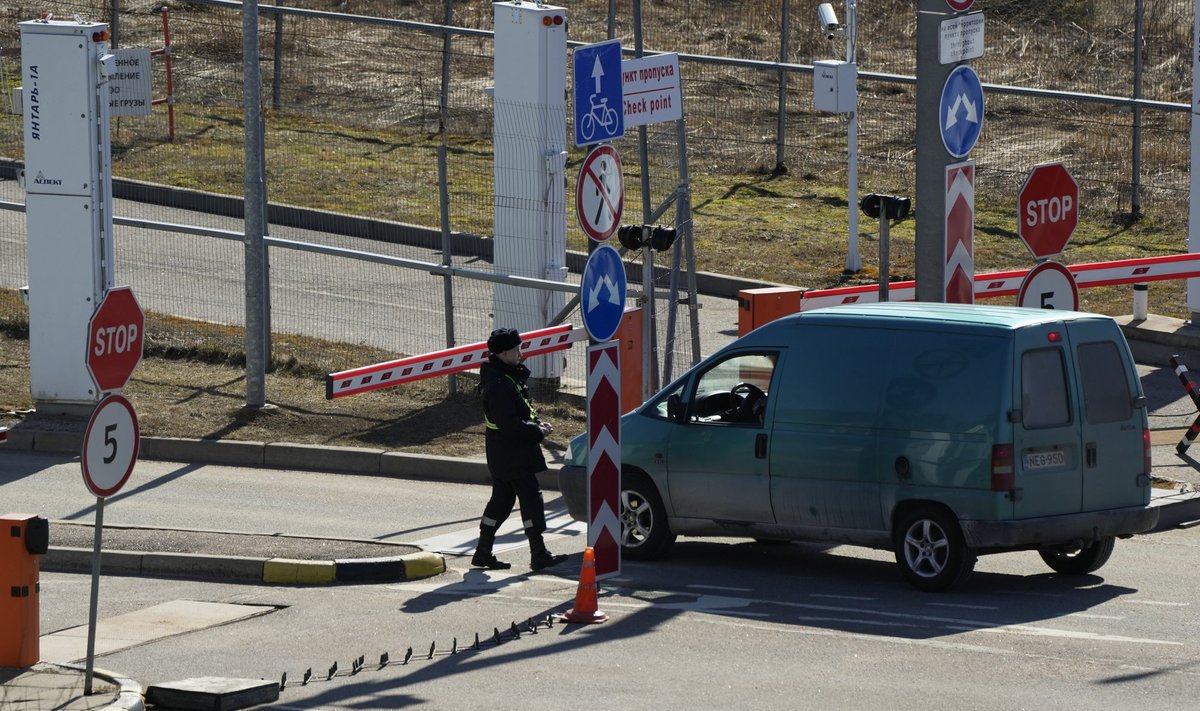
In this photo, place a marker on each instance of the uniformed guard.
(514, 453)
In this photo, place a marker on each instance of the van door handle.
(1090, 454)
(760, 446)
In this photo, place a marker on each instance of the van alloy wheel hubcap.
(926, 548)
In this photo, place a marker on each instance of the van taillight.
(1003, 478)
(1146, 463)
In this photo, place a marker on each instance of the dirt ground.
(190, 399)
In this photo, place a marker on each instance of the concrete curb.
(129, 693)
(314, 457)
(285, 571)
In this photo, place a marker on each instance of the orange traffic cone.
(585, 596)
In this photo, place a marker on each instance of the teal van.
(938, 431)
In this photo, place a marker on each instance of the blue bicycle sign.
(599, 93)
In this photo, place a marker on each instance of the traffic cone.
(585, 596)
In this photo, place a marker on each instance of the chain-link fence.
(358, 104)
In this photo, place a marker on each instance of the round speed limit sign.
(110, 446)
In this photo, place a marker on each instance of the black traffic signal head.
(661, 238)
(893, 207)
(630, 236)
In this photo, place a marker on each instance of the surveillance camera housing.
(827, 19)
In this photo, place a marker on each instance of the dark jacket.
(513, 439)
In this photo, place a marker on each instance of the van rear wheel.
(931, 551)
(1079, 560)
(644, 531)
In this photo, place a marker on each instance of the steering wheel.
(753, 396)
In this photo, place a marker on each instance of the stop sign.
(1047, 209)
(114, 345)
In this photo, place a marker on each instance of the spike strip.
(444, 362)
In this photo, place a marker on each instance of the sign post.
(110, 444)
(602, 298)
(1047, 210)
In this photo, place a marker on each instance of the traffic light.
(635, 237)
(630, 236)
(661, 238)
(893, 207)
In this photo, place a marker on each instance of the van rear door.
(1047, 447)
(1113, 454)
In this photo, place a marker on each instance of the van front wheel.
(1079, 560)
(644, 531)
(930, 549)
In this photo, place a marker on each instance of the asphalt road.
(720, 623)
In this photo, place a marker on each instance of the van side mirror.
(674, 409)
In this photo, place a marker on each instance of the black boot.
(483, 557)
(539, 557)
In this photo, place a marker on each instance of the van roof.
(1008, 317)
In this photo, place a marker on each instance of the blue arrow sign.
(961, 113)
(599, 93)
(602, 293)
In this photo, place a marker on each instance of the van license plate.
(1045, 460)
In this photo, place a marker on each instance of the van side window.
(833, 379)
(1106, 396)
(935, 382)
(735, 390)
(1044, 398)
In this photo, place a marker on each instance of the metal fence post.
(444, 190)
(277, 61)
(1135, 198)
(781, 122)
(252, 202)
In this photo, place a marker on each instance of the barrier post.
(23, 537)
(1190, 435)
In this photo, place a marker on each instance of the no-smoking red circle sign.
(600, 193)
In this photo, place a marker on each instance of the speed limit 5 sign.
(110, 446)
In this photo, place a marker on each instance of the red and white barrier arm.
(451, 360)
(1123, 271)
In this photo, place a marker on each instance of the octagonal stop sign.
(114, 345)
(1047, 209)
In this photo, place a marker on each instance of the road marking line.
(844, 597)
(1158, 602)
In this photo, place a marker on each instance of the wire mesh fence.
(357, 109)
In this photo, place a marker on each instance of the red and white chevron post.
(445, 362)
(604, 455)
(960, 233)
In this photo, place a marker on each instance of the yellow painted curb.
(423, 565)
(299, 572)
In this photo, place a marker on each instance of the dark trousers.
(523, 489)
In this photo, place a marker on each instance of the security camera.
(827, 18)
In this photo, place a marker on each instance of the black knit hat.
(503, 339)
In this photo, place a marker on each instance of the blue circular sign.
(961, 116)
(602, 293)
